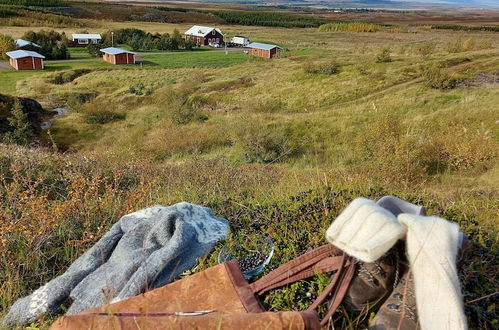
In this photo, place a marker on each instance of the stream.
(59, 112)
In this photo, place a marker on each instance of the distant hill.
(391, 4)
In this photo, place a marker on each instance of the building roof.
(201, 31)
(21, 43)
(115, 51)
(262, 46)
(20, 53)
(86, 36)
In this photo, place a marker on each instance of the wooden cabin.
(205, 36)
(264, 50)
(84, 39)
(25, 60)
(116, 55)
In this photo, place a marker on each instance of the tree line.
(140, 40)
(263, 18)
(53, 45)
(35, 3)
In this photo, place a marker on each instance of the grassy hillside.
(276, 146)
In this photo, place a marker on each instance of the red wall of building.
(119, 58)
(26, 63)
(265, 52)
(260, 52)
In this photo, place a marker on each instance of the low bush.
(438, 78)
(100, 112)
(329, 67)
(102, 116)
(349, 27)
(384, 55)
(266, 143)
(68, 76)
(140, 90)
(7, 44)
(425, 49)
(458, 44)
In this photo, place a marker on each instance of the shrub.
(330, 67)
(458, 45)
(22, 132)
(455, 146)
(384, 55)
(437, 78)
(100, 112)
(181, 105)
(68, 76)
(140, 90)
(425, 49)
(265, 143)
(349, 27)
(7, 44)
(102, 116)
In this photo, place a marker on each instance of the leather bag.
(221, 298)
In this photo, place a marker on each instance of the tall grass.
(349, 27)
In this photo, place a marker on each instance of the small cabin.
(85, 39)
(116, 55)
(205, 36)
(25, 60)
(264, 50)
(240, 41)
(25, 44)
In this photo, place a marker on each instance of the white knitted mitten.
(432, 245)
(365, 230)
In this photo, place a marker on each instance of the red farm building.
(115, 55)
(205, 36)
(25, 60)
(264, 50)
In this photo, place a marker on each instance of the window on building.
(83, 41)
(213, 32)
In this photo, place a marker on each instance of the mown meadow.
(277, 147)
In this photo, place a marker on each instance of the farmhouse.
(115, 55)
(23, 44)
(264, 50)
(204, 36)
(84, 39)
(25, 60)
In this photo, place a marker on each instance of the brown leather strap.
(325, 259)
(299, 268)
(326, 265)
(339, 294)
(320, 299)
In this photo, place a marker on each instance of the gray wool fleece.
(144, 249)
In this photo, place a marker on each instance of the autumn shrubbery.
(68, 76)
(322, 67)
(54, 207)
(393, 156)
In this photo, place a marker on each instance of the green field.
(213, 59)
(278, 147)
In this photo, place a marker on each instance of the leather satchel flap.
(240, 321)
(211, 289)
